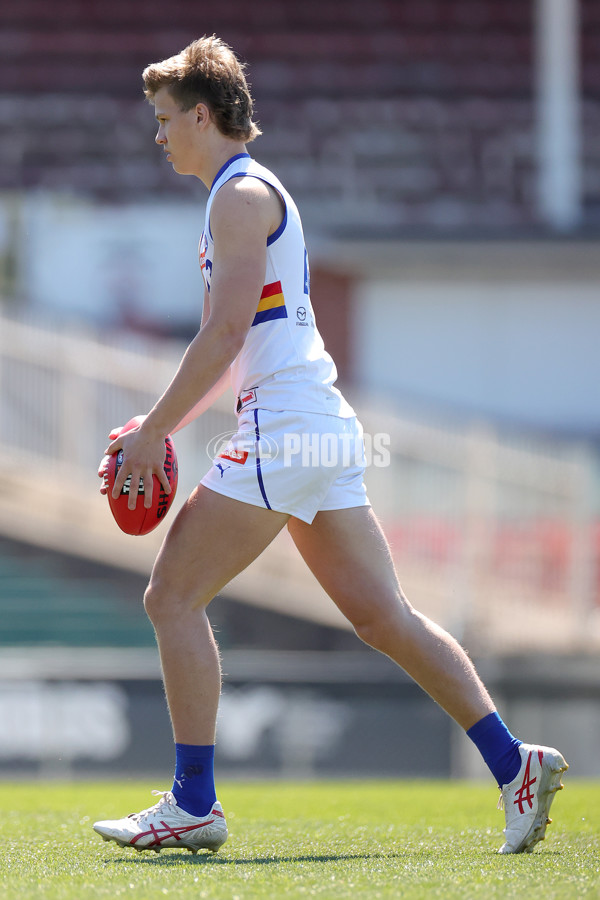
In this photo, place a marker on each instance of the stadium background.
(445, 156)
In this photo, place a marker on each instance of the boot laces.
(166, 799)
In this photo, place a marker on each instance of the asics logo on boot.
(161, 834)
(524, 794)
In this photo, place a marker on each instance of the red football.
(141, 520)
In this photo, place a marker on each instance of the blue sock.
(499, 748)
(194, 783)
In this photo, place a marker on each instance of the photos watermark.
(330, 450)
(307, 450)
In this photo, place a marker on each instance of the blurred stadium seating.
(44, 603)
(400, 116)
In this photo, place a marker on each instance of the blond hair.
(207, 71)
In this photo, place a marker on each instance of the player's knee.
(164, 602)
(155, 601)
(383, 628)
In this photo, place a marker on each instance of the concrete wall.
(291, 714)
(503, 331)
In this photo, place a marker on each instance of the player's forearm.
(204, 364)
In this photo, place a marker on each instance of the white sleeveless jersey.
(283, 364)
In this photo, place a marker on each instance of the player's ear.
(202, 114)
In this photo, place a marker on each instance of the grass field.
(326, 839)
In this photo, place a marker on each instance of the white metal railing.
(495, 538)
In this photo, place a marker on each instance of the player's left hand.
(143, 457)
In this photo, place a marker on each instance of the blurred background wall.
(445, 157)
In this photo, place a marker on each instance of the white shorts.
(292, 462)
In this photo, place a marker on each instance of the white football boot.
(167, 825)
(528, 798)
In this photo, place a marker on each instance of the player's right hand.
(114, 432)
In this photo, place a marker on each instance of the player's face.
(177, 133)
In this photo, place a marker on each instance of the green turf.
(334, 839)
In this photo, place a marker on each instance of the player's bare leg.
(211, 541)
(348, 553)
